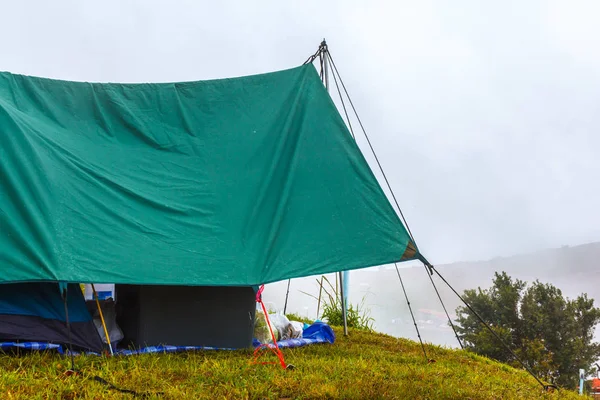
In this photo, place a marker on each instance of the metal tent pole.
(102, 320)
(319, 300)
(325, 65)
(286, 297)
(344, 313)
(324, 52)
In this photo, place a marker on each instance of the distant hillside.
(574, 270)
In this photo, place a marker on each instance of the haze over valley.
(573, 269)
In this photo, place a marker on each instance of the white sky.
(484, 114)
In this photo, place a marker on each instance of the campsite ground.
(363, 365)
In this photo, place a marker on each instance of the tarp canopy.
(239, 181)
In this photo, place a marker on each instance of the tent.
(35, 312)
(227, 183)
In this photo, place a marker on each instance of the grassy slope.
(361, 366)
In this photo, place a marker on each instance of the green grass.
(363, 365)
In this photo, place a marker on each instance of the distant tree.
(552, 334)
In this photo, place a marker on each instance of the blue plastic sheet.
(40, 346)
(318, 332)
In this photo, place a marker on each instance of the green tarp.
(237, 181)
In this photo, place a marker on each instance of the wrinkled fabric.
(239, 181)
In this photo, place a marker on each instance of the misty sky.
(485, 116)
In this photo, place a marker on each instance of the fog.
(380, 296)
(572, 269)
(484, 115)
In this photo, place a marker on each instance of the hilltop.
(363, 365)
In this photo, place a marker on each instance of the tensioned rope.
(343, 106)
(336, 71)
(431, 268)
(444, 307)
(335, 79)
(507, 347)
(328, 54)
(312, 58)
(411, 312)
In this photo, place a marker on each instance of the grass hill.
(361, 366)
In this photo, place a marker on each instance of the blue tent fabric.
(44, 300)
(316, 333)
(34, 312)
